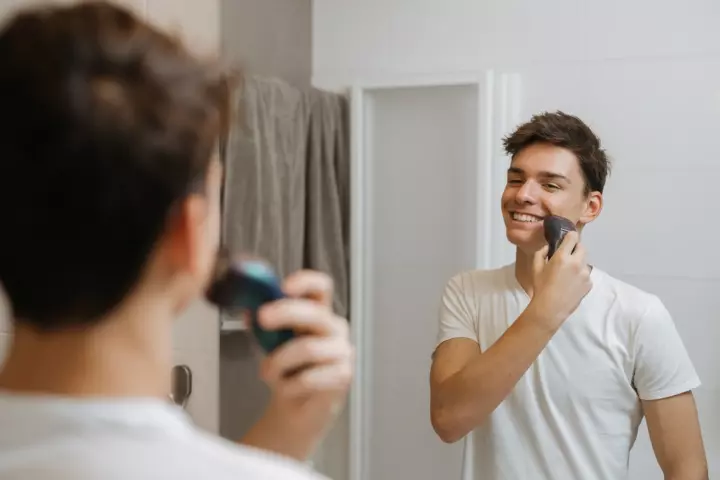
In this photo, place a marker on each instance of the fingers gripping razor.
(245, 286)
(556, 228)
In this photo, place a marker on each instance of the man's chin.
(524, 242)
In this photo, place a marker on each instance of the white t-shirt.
(575, 413)
(59, 438)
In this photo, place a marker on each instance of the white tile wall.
(353, 39)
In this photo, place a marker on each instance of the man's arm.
(292, 435)
(466, 386)
(664, 378)
(676, 437)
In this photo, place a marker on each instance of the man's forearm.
(295, 438)
(688, 476)
(466, 399)
(688, 470)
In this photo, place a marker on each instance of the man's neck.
(523, 270)
(127, 355)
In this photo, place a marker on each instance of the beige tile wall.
(197, 21)
(196, 333)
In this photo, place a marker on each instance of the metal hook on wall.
(181, 385)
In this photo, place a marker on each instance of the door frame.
(360, 232)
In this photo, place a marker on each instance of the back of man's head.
(106, 124)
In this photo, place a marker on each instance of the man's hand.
(309, 376)
(560, 284)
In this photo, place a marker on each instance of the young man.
(109, 197)
(554, 363)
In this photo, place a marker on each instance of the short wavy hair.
(566, 131)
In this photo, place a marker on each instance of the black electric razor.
(556, 228)
(244, 285)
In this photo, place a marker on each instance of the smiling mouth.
(525, 218)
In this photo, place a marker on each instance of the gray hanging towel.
(286, 192)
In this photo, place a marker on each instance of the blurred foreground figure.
(110, 201)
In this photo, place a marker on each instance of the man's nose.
(527, 193)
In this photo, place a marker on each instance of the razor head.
(555, 228)
(240, 284)
(244, 285)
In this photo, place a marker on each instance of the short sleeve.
(456, 319)
(662, 364)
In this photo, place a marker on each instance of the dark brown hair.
(107, 123)
(566, 131)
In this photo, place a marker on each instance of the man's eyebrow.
(544, 174)
(555, 175)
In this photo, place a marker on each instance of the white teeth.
(522, 217)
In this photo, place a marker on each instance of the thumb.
(539, 259)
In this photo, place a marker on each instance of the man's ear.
(184, 234)
(593, 207)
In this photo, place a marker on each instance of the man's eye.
(552, 186)
(513, 181)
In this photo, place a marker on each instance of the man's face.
(544, 180)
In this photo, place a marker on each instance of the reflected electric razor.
(556, 228)
(243, 286)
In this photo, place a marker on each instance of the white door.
(422, 160)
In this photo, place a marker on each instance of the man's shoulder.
(254, 462)
(186, 456)
(631, 299)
